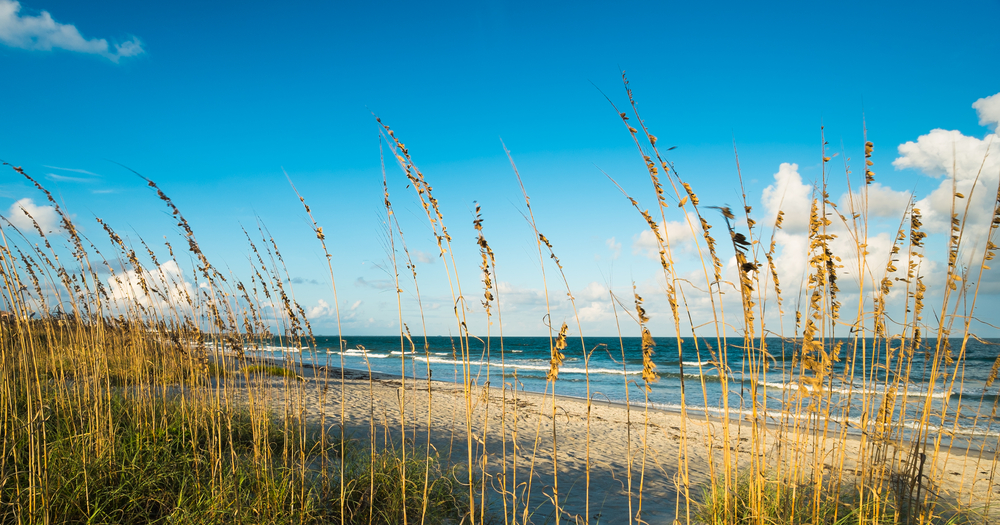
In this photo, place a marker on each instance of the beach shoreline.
(713, 414)
(509, 436)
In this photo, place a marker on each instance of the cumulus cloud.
(952, 161)
(941, 152)
(322, 309)
(593, 292)
(988, 109)
(963, 164)
(43, 33)
(45, 216)
(678, 234)
(596, 311)
(883, 201)
(526, 307)
(164, 287)
(947, 153)
(594, 303)
(788, 193)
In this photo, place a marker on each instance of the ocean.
(615, 374)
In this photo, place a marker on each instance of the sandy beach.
(510, 435)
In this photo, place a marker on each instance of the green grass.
(161, 464)
(385, 502)
(782, 503)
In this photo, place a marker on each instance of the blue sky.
(215, 101)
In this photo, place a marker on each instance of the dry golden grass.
(140, 366)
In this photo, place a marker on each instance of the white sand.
(616, 437)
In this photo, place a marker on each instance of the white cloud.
(166, 287)
(594, 303)
(422, 257)
(988, 109)
(322, 309)
(788, 194)
(74, 170)
(45, 216)
(883, 201)
(516, 297)
(678, 235)
(42, 33)
(593, 292)
(943, 153)
(596, 311)
(615, 247)
(65, 178)
(936, 207)
(939, 153)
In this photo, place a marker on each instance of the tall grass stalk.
(129, 394)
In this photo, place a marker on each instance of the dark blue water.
(523, 362)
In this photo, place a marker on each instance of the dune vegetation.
(128, 398)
